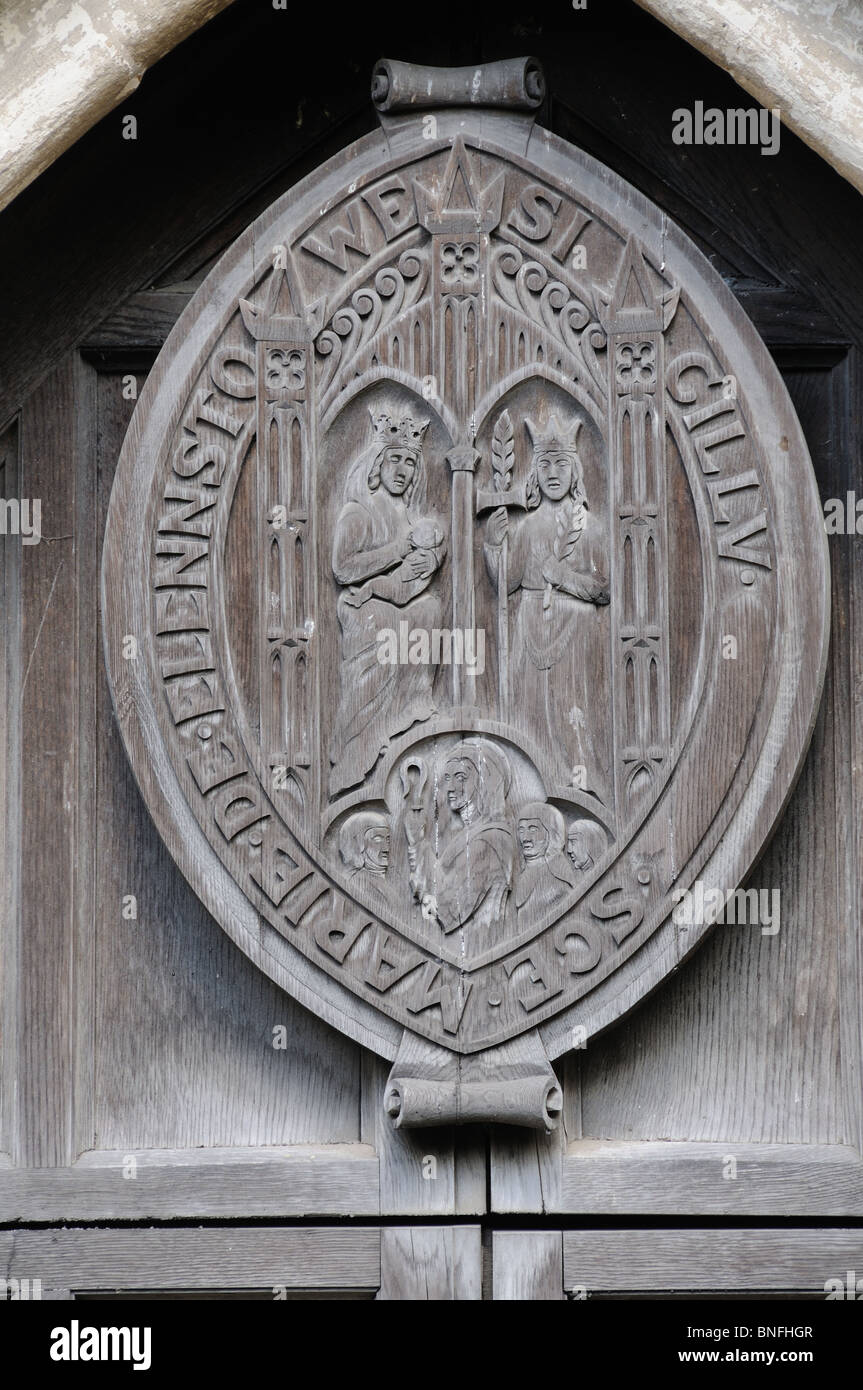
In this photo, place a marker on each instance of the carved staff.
(462, 461)
(502, 494)
(414, 775)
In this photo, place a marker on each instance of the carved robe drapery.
(558, 658)
(475, 876)
(543, 883)
(377, 699)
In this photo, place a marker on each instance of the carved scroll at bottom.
(512, 1085)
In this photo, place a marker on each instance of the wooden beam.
(245, 1257)
(718, 1260)
(197, 1183)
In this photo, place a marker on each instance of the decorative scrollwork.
(371, 308)
(528, 287)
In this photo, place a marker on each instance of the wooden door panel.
(56, 589)
(598, 1265)
(151, 1039)
(416, 1264)
(732, 1263)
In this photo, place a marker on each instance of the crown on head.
(556, 437)
(390, 430)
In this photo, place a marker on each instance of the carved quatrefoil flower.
(636, 364)
(460, 263)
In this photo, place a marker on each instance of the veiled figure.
(555, 565)
(585, 845)
(386, 552)
(547, 875)
(364, 845)
(469, 884)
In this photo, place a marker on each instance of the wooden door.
(149, 1071)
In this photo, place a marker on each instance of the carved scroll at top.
(516, 84)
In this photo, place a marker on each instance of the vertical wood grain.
(88, 655)
(10, 768)
(527, 1266)
(50, 641)
(744, 1044)
(431, 1264)
(425, 1172)
(827, 395)
(848, 566)
(525, 1169)
(183, 1020)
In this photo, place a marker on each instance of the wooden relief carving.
(431, 523)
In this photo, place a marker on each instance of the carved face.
(397, 470)
(577, 849)
(460, 780)
(533, 838)
(376, 844)
(554, 474)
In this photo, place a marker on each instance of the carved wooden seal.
(479, 583)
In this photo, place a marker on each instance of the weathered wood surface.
(526, 1174)
(161, 1184)
(10, 762)
(143, 320)
(261, 1257)
(752, 1004)
(793, 263)
(688, 1177)
(432, 1172)
(527, 1266)
(430, 1087)
(726, 1260)
(782, 316)
(431, 1264)
(50, 856)
(773, 1021)
(233, 1086)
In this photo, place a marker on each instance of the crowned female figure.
(385, 553)
(556, 563)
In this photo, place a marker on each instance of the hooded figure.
(471, 881)
(585, 844)
(364, 843)
(385, 553)
(547, 875)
